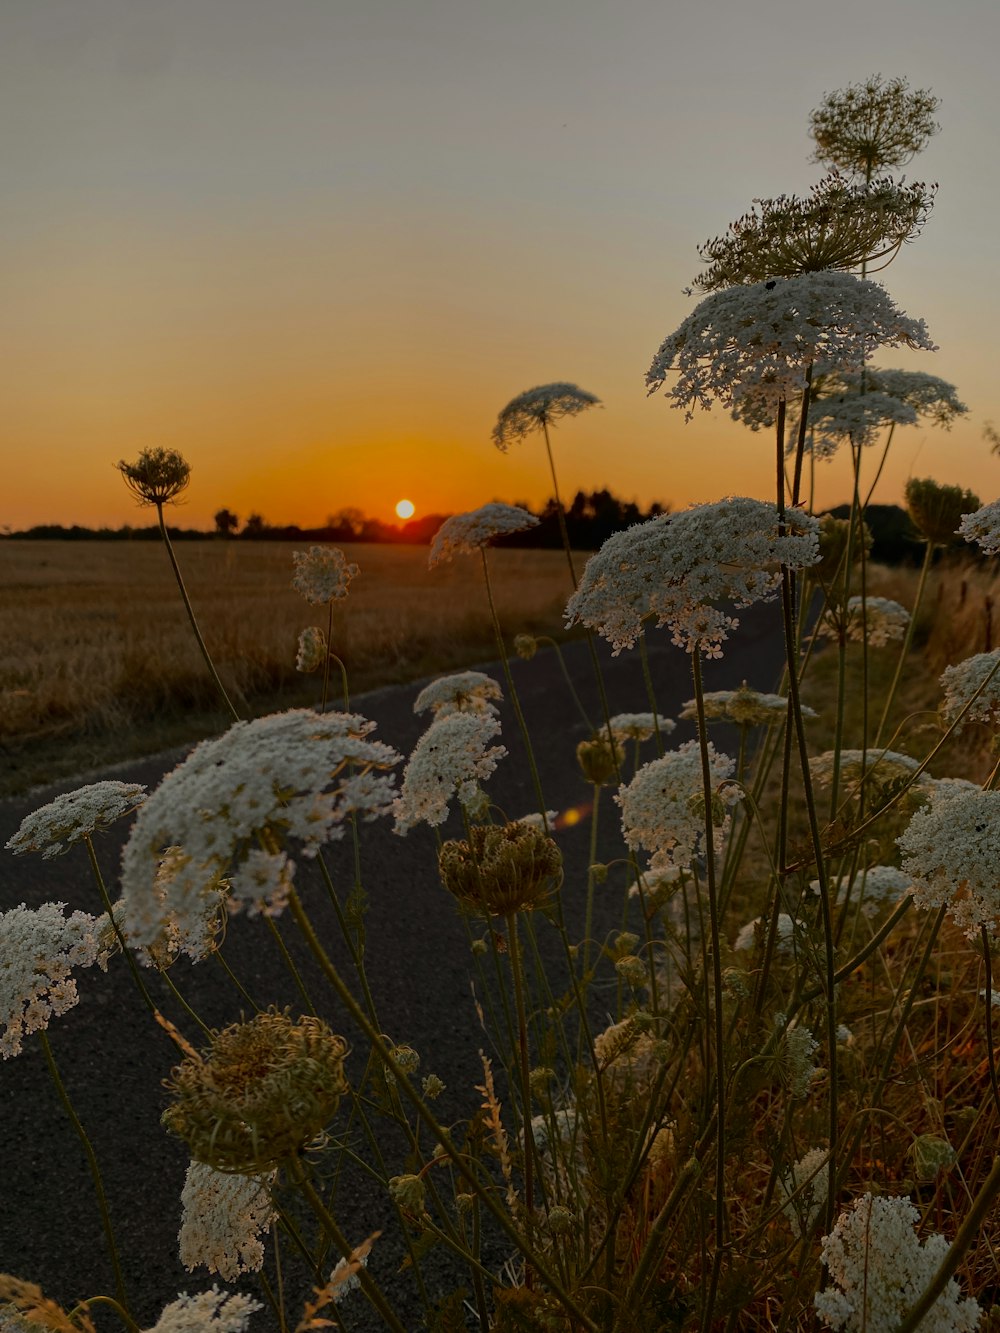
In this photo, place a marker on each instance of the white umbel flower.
(663, 806)
(462, 692)
(678, 566)
(312, 650)
(297, 774)
(961, 682)
(880, 618)
(323, 574)
(983, 527)
(224, 1216)
(639, 726)
(929, 396)
(38, 948)
(951, 847)
(879, 1268)
(212, 1311)
(855, 418)
(757, 342)
(70, 818)
(805, 1186)
(880, 766)
(450, 757)
(745, 707)
(465, 534)
(539, 407)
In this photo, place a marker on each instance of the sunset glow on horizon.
(317, 247)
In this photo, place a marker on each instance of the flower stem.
(190, 612)
(95, 1170)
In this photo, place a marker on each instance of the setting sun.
(405, 508)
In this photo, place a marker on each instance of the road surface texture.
(113, 1058)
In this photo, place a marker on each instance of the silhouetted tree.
(226, 522)
(255, 526)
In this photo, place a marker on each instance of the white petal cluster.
(883, 619)
(873, 888)
(928, 395)
(678, 566)
(784, 938)
(212, 1311)
(224, 1215)
(744, 706)
(322, 574)
(961, 682)
(983, 527)
(757, 342)
(663, 806)
(293, 774)
(463, 692)
(639, 726)
(312, 649)
(465, 534)
(798, 1046)
(805, 1186)
(54, 828)
(879, 1268)
(530, 410)
(880, 766)
(951, 847)
(37, 950)
(450, 757)
(856, 418)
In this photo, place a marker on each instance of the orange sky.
(318, 247)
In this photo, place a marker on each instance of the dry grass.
(98, 662)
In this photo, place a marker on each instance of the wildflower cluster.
(54, 828)
(877, 620)
(462, 692)
(465, 534)
(537, 408)
(663, 807)
(452, 756)
(951, 847)
(323, 574)
(288, 775)
(224, 1216)
(676, 567)
(976, 683)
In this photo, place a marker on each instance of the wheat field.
(98, 662)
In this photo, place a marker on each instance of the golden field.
(98, 662)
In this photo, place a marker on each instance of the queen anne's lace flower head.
(960, 683)
(465, 534)
(879, 1268)
(297, 774)
(881, 766)
(539, 407)
(930, 396)
(756, 343)
(157, 477)
(312, 649)
(951, 847)
(450, 757)
(856, 418)
(873, 888)
(878, 619)
(983, 527)
(744, 706)
(787, 928)
(678, 566)
(663, 807)
(37, 950)
(322, 574)
(867, 127)
(639, 726)
(70, 818)
(212, 1311)
(224, 1215)
(805, 1186)
(462, 692)
(839, 225)
(935, 510)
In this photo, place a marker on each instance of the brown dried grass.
(95, 643)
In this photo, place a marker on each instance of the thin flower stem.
(592, 858)
(437, 1131)
(546, 638)
(530, 1147)
(95, 1170)
(329, 1225)
(105, 898)
(82, 1307)
(650, 693)
(907, 642)
(514, 697)
(279, 1279)
(564, 534)
(990, 1052)
(967, 1233)
(716, 982)
(326, 660)
(191, 617)
(218, 956)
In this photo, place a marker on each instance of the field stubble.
(98, 663)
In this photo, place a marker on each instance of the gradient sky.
(316, 245)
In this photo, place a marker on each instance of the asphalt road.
(113, 1058)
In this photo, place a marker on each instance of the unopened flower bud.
(502, 869)
(935, 510)
(409, 1193)
(525, 645)
(561, 1220)
(157, 476)
(599, 760)
(930, 1155)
